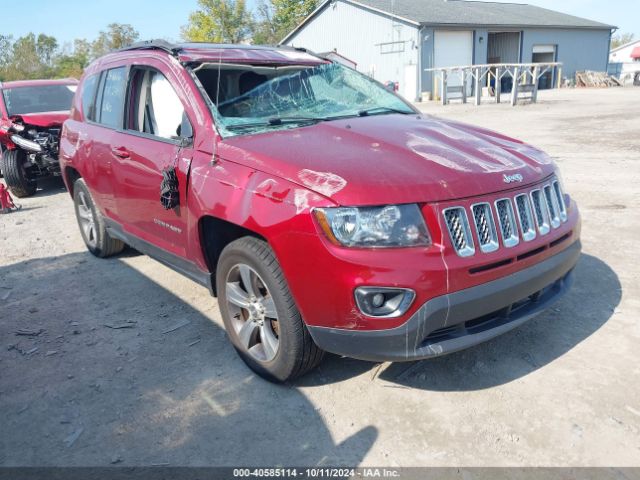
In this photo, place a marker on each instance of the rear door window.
(112, 101)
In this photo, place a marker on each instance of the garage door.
(453, 49)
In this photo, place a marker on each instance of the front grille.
(560, 198)
(525, 215)
(507, 222)
(542, 213)
(485, 227)
(458, 226)
(552, 205)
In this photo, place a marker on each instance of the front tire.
(92, 225)
(259, 314)
(20, 182)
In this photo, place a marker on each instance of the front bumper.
(461, 319)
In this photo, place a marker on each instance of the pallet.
(589, 78)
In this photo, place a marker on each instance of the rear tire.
(270, 313)
(13, 167)
(92, 225)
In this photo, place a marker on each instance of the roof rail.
(303, 50)
(156, 44)
(174, 49)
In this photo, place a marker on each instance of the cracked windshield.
(255, 99)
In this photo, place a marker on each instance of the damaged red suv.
(31, 116)
(324, 211)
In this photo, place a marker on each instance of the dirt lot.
(168, 389)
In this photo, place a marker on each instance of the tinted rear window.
(44, 98)
(113, 98)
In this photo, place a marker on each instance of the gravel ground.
(123, 361)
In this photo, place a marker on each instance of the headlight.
(388, 226)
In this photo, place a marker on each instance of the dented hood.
(392, 159)
(43, 119)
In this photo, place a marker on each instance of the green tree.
(620, 39)
(280, 17)
(118, 35)
(265, 31)
(6, 43)
(46, 47)
(6, 55)
(41, 56)
(30, 57)
(71, 61)
(219, 21)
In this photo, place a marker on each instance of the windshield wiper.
(274, 122)
(285, 120)
(374, 110)
(277, 121)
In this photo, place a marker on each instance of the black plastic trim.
(172, 261)
(410, 341)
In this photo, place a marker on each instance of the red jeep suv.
(323, 210)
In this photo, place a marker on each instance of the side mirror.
(185, 142)
(184, 132)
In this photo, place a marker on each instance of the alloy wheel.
(87, 220)
(253, 312)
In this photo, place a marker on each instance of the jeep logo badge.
(512, 178)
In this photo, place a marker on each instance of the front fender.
(274, 208)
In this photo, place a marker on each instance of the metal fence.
(521, 80)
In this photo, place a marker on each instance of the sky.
(70, 19)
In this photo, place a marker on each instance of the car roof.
(38, 83)
(218, 52)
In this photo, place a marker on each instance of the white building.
(627, 53)
(396, 40)
(624, 62)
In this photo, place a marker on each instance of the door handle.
(120, 152)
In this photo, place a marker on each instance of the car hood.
(44, 119)
(391, 159)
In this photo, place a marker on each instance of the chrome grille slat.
(459, 231)
(485, 227)
(541, 211)
(526, 217)
(507, 221)
(552, 205)
(560, 198)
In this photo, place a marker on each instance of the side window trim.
(98, 100)
(129, 106)
(127, 97)
(94, 97)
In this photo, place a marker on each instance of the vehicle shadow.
(579, 314)
(48, 186)
(125, 372)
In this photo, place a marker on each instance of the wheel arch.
(215, 234)
(70, 177)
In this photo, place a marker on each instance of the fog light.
(385, 302)
(377, 300)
